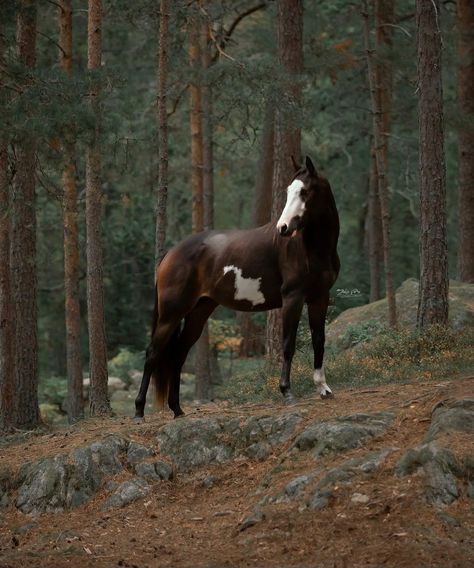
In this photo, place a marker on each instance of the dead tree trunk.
(75, 401)
(99, 403)
(466, 140)
(382, 182)
(287, 137)
(23, 246)
(433, 294)
(162, 193)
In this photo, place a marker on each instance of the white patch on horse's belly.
(246, 288)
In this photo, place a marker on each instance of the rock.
(50, 413)
(126, 493)
(84, 477)
(44, 487)
(135, 377)
(209, 481)
(295, 487)
(255, 517)
(137, 453)
(195, 442)
(461, 310)
(451, 416)
(320, 499)
(360, 498)
(164, 470)
(106, 454)
(344, 433)
(440, 466)
(115, 384)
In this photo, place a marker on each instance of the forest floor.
(193, 522)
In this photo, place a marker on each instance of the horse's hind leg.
(317, 319)
(163, 333)
(193, 326)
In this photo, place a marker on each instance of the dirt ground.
(186, 522)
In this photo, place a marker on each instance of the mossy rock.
(461, 310)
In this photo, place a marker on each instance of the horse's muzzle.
(287, 230)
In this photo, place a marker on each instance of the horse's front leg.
(317, 319)
(291, 313)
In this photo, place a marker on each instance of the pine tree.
(75, 402)
(99, 400)
(287, 137)
(433, 294)
(466, 140)
(23, 243)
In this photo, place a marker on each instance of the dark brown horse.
(280, 265)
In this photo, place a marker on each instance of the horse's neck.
(321, 232)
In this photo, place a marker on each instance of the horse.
(282, 264)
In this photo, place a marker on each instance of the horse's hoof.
(289, 399)
(178, 414)
(138, 419)
(327, 394)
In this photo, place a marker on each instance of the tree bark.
(287, 137)
(466, 140)
(433, 293)
(7, 329)
(7, 336)
(253, 340)
(162, 193)
(384, 17)
(196, 54)
(99, 403)
(75, 401)
(23, 246)
(382, 182)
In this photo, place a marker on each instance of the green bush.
(125, 361)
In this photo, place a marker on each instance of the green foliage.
(360, 333)
(125, 361)
(53, 391)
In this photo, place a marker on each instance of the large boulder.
(461, 309)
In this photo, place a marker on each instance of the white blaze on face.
(246, 288)
(319, 379)
(294, 204)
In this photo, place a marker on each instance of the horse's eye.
(304, 193)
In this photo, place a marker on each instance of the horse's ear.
(296, 166)
(310, 166)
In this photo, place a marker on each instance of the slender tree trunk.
(383, 90)
(287, 137)
(433, 294)
(252, 335)
(202, 369)
(75, 402)
(23, 246)
(7, 337)
(162, 193)
(374, 232)
(99, 399)
(466, 140)
(382, 182)
(7, 329)
(264, 182)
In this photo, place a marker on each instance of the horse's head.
(301, 193)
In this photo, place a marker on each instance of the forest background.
(335, 115)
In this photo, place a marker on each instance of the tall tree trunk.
(382, 182)
(252, 335)
(7, 329)
(374, 232)
(23, 246)
(197, 182)
(98, 397)
(264, 182)
(433, 294)
(162, 193)
(7, 337)
(287, 138)
(466, 140)
(75, 402)
(383, 86)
